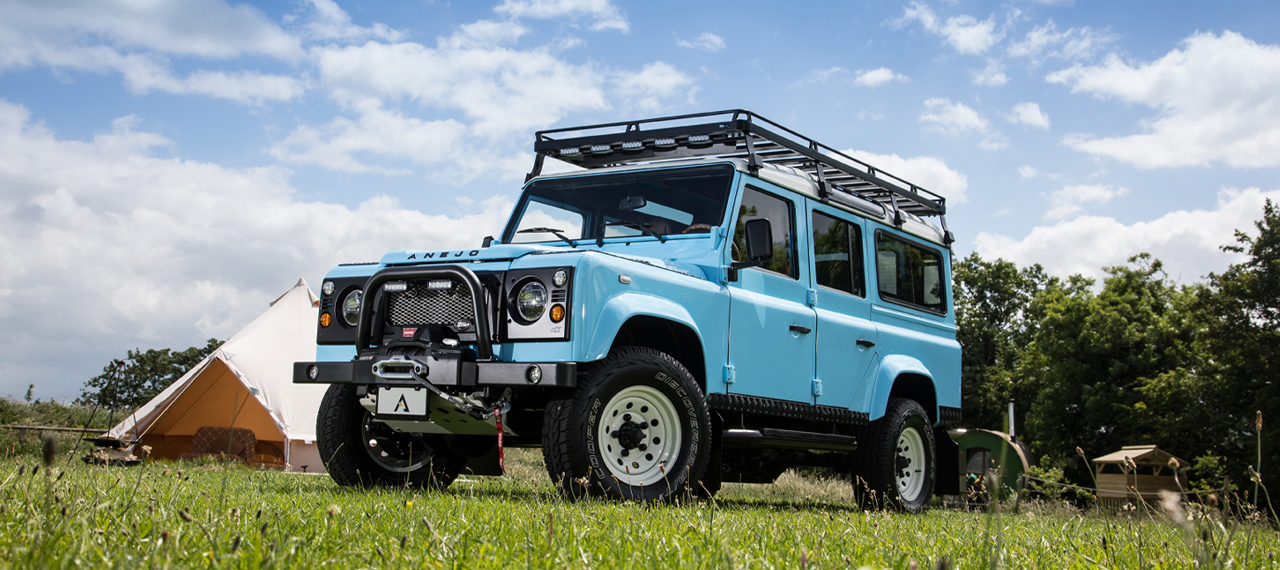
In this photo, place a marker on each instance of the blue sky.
(167, 169)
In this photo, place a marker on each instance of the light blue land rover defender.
(710, 297)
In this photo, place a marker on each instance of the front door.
(771, 325)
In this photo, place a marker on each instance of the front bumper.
(440, 370)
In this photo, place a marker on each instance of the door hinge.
(817, 388)
(813, 297)
(728, 374)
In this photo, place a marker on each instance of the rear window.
(910, 274)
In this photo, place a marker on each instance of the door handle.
(865, 343)
(800, 329)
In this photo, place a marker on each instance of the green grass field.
(163, 515)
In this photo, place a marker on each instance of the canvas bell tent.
(240, 400)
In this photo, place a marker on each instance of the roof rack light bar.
(735, 133)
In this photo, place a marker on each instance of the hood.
(503, 252)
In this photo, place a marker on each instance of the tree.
(1098, 361)
(1242, 338)
(993, 300)
(133, 381)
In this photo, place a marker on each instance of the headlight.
(351, 308)
(532, 301)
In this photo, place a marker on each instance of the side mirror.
(632, 203)
(759, 240)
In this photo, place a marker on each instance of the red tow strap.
(498, 416)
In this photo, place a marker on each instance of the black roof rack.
(735, 133)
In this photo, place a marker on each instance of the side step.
(770, 437)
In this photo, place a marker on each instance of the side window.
(837, 254)
(780, 213)
(909, 274)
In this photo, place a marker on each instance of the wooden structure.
(1138, 472)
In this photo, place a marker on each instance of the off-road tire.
(586, 433)
(896, 461)
(340, 438)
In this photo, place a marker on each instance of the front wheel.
(359, 451)
(895, 464)
(637, 428)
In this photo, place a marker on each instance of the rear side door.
(846, 337)
(771, 324)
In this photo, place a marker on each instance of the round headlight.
(327, 288)
(532, 301)
(351, 308)
(560, 278)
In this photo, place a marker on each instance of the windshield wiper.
(636, 226)
(546, 230)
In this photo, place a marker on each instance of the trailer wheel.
(637, 428)
(358, 451)
(896, 462)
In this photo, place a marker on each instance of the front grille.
(421, 306)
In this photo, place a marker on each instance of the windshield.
(654, 203)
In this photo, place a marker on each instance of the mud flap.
(947, 480)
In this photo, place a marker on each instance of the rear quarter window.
(910, 274)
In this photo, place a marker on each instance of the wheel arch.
(904, 377)
(652, 322)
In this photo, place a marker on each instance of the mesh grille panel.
(421, 306)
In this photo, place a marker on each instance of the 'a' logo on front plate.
(404, 403)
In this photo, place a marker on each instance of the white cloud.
(107, 248)
(877, 77)
(990, 76)
(966, 34)
(202, 28)
(956, 119)
(1217, 97)
(705, 41)
(1028, 114)
(502, 90)
(1188, 242)
(1046, 42)
(604, 14)
(328, 21)
(387, 134)
(821, 76)
(645, 89)
(924, 171)
(137, 39)
(1070, 200)
(1027, 171)
(952, 117)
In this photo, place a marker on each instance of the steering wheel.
(695, 227)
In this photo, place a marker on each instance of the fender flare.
(622, 307)
(891, 368)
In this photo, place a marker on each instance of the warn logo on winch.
(408, 332)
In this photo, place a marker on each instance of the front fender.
(890, 369)
(622, 307)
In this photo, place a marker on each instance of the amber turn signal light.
(326, 319)
(557, 313)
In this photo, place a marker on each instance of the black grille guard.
(364, 330)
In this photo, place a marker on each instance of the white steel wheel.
(639, 435)
(895, 464)
(909, 466)
(637, 428)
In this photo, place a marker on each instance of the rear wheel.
(895, 465)
(637, 428)
(359, 451)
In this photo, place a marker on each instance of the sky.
(169, 168)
